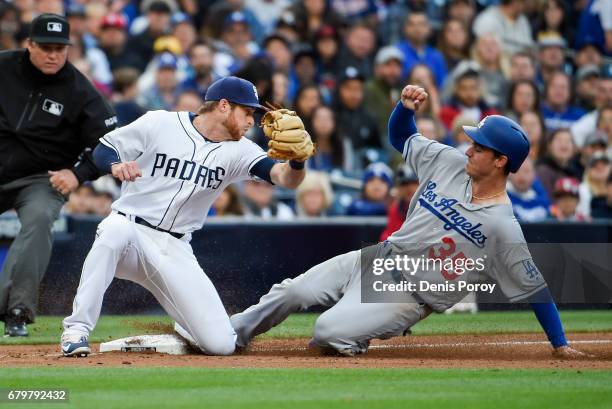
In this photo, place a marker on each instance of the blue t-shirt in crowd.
(565, 119)
(430, 57)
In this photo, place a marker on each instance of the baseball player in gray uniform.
(173, 166)
(460, 211)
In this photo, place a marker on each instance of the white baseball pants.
(164, 265)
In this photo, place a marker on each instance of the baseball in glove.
(288, 138)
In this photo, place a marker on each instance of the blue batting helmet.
(236, 90)
(502, 135)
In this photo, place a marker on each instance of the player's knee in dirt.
(325, 331)
(217, 345)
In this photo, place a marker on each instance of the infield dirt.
(457, 351)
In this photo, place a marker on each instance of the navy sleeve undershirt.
(262, 169)
(104, 157)
(401, 126)
(547, 314)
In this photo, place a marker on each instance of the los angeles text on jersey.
(188, 170)
(445, 210)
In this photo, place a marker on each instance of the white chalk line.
(440, 345)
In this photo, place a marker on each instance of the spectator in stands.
(508, 22)
(330, 152)
(522, 67)
(467, 99)
(595, 25)
(588, 122)
(280, 89)
(228, 203)
(601, 207)
(461, 10)
(188, 100)
(523, 96)
(314, 196)
(80, 201)
(406, 184)
(44, 156)
(267, 12)
(556, 161)
(235, 46)
(553, 19)
(279, 50)
(217, 17)
(417, 31)
(459, 139)
(551, 59)
(141, 46)
(327, 48)
(533, 124)
(588, 54)
(530, 201)
(310, 15)
(304, 70)
(201, 74)
(259, 201)
(306, 100)
(421, 75)
(556, 106)
(430, 128)
(183, 30)
(113, 42)
(355, 123)
(594, 181)
(487, 53)
(165, 90)
(587, 78)
(454, 42)
(565, 207)
(125, 91)
(383, 90)
(358, 49)
(10, 25)
(604, 124)
(374, 200)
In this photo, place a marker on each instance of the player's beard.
(232, 127)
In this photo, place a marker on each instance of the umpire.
(50, 117)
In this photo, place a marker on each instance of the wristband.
(294, 164)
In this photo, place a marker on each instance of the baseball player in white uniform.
(460, 212)
(173, 166)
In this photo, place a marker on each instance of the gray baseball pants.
(348, 326)
(38, 205)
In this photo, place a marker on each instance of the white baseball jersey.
(182, 172)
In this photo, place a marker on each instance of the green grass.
(48, 329)
(316, 388)
(148, 388)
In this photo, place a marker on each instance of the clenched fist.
(413, 96)
(126, 171)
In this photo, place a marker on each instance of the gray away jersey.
(442, 223)
(182, 173)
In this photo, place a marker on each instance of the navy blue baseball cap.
(236, 90)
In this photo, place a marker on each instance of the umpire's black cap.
(236, 90)
(50, 29)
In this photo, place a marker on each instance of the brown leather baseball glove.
(288, 138)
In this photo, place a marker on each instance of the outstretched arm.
(401, 123)
(547, 314)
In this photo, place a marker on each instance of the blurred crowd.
(341, 65)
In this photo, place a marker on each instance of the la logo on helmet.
(255, 91)
(482, 121)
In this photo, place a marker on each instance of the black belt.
(140, 220)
